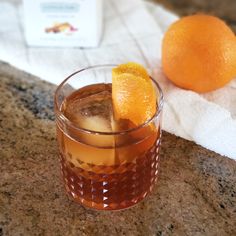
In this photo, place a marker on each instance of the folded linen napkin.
(133, 32)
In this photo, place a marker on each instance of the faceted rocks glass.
(103, 167)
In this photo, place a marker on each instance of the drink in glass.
(107, 164)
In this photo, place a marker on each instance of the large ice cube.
(92, 111)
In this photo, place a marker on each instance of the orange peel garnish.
(131, 68)
(133, 94)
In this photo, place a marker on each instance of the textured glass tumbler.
(107, 169)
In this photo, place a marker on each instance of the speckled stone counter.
(224, 9)
(195, 194)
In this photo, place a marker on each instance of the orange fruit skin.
(133, 98)
(199, 53)
(131, 68)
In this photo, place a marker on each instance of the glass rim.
(59, 113)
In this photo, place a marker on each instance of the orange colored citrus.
(131, 68)
(133, 94)
(199, 53)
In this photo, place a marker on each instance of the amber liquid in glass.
(105, 172)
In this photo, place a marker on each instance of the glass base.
(109, 207)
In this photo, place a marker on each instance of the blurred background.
(145, 25)
(224, 9)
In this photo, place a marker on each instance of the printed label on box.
(76, 23)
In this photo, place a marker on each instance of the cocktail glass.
(106, 164)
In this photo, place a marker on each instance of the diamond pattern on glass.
(111, 187)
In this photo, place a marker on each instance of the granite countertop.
(223, 9)
(195, 194)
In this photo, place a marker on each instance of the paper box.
(68, 23)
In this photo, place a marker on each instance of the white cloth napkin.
(133, 32)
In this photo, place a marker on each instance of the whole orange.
(199, 53)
